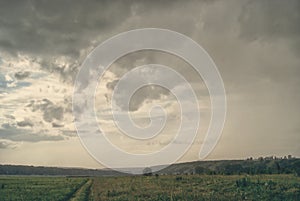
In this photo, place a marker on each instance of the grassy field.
(180, 187)
(43, 188)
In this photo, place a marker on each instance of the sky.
(255, 45)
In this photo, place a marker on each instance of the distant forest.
(267, 165)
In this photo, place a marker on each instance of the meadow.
(162, 187)
(43, 188)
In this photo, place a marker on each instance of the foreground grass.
(39, 188)
(184, 187)
(198, 187)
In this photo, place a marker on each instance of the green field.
(41, 188)
(179, 187)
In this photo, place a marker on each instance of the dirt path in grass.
(82, 193)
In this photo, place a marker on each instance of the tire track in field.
(80, 193)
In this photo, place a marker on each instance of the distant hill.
(228, 167)
(55, 171)
(225, 167)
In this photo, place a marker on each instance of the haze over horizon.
(255, 45)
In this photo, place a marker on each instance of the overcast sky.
(255, 45)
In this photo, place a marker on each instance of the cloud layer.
(255, 44)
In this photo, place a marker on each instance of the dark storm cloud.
(255, 45)
(56, 27)
(46, 30)
(270, 19)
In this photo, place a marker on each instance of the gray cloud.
(46, 27)
(11, 132)
(25, 123)
(143, 94)
(130, 61)
(47, 30)
(22, 75)
(69, 133)
(255, 45)
(4, 144)
(56, 125)
(268, 20)
(53, 112)
(49, 109)
(50, 29)
(9, 116)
